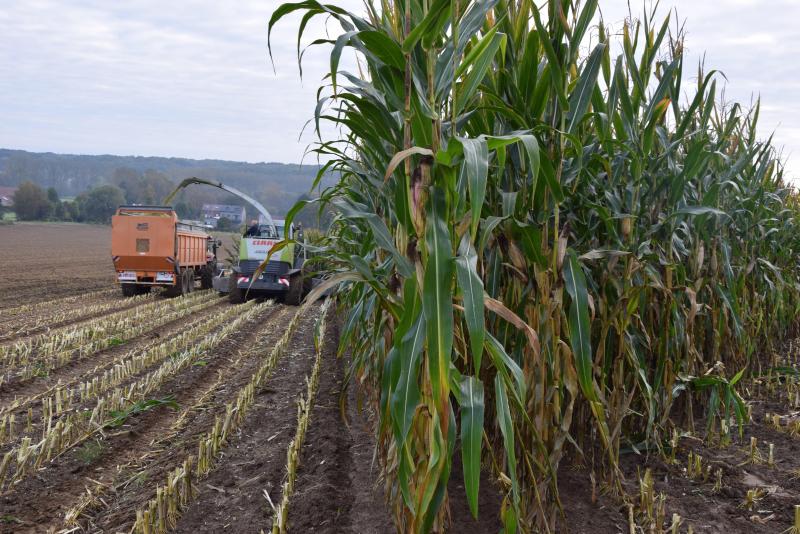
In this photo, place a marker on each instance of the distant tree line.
(32, 203)
(144, 179)
(128, 186)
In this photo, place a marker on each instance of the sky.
(192, 78)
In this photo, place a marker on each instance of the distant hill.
(276, 185)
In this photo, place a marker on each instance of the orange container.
(149, 245)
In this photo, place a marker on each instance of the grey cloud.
(193, 78)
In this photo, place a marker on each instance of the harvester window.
(264, 230)
(142, 245)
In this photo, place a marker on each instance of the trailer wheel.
(129, 290)
(143, 290)
(206, 278)
(178, 288)
(189, 276)
(235, 294)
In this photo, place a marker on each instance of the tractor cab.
(254, 248)
(266, 231)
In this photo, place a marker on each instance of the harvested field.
(47, 261)
(105, 399)
(190, 414)
(209, 398)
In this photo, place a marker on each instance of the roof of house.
(6, 191)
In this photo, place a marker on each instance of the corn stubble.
(45, 353)
(543, 249)
(80, 423)
(161, 513)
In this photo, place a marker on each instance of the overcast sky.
(193, 78)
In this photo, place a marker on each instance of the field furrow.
(118, 442)
(337, 488)
(202, 430)
(21, 393)
(60, 314)
(111, 410)
(42, 308)
(40, 355)
(33, 412)
(252, 465)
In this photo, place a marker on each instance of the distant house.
(7, 196)
(212, 213)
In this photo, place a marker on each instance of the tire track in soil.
(57, 487)
(75, 370)
(231, 498)
(337, 488)
(120, 513)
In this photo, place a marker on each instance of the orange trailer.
(151, 247)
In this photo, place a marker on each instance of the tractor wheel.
(129, 290)
(235, 294)
(206, 277)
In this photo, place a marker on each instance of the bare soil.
(63, 480)
(337, 487)
(44, 261)
(234, 497)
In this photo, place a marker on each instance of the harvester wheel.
(235, 294)
(129, 290)
(143, 290)
(299, 286)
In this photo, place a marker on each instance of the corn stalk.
(543, 248)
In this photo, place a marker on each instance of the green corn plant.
(539, 242)
(118, 417)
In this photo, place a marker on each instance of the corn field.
(550, 245)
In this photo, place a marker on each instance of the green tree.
(56, 206)
(101, 203)
(186, 210)
(71, 211)
(52, 195)
(59, 212)
(30, 202)
(226, 225)
(127, 179)
(147, 188)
